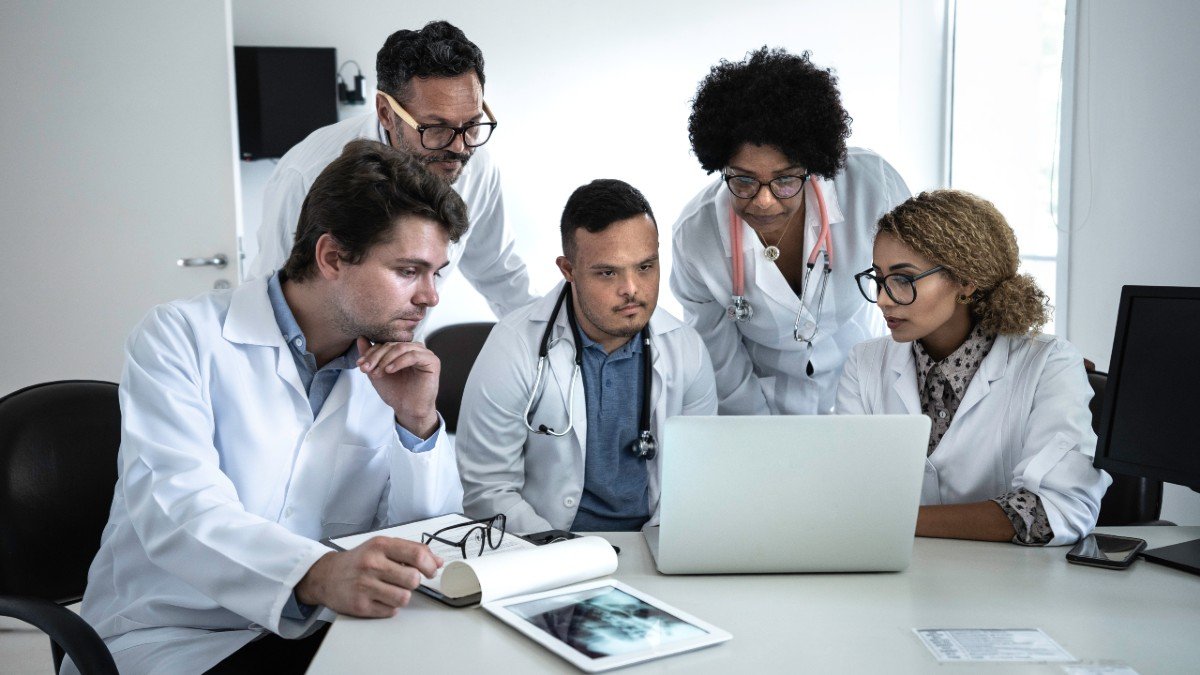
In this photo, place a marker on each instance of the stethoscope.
(645, 447)
(741, 311)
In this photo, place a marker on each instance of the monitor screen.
(283, 95)
(1152, 400)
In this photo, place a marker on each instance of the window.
(1005, 93)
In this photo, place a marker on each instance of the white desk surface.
(1146, 617)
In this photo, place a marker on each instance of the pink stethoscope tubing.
(740, 310)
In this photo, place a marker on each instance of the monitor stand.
(1185, 556)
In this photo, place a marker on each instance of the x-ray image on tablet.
(605, 624)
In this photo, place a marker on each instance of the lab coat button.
(287, 513)
(569, 502)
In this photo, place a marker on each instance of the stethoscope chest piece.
(645, 447)
(740, 311)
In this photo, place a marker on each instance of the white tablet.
(604, 624)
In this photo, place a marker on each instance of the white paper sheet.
(1009, 645)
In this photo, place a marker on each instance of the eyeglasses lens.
(868, 287)
(786, 187)
(436, 138)
(901, 289)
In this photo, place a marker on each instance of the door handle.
(218, 261)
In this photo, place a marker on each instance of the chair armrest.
(66, 629)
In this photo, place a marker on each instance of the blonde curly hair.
(969, 237)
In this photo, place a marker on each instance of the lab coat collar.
(251, 321)
(993, 367)
(904, 377)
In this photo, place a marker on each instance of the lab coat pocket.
(356, 485)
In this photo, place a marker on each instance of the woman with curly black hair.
(764, 257)
(1011, 442)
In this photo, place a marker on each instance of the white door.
(118, 159)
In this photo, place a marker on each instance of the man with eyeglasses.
(429, 103)
(765, 256)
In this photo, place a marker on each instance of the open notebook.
(516, 567)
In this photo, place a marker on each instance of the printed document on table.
(1008, 645)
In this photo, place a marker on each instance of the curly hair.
(970, 238)
(770, 98)
(440, 49)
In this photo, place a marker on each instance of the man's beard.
(448, 156)
(611, 325)
(377, 332)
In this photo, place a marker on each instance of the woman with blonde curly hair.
(1011, 444)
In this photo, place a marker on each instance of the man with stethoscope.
(563, 409)
(764, 257)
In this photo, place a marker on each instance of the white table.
(1147, 617)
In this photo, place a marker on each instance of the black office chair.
(457, 346)
(58, 465)
(1130, 500)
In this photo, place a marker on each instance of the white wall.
(1135, 205)
(591, 90)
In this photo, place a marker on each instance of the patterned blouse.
(941, 385)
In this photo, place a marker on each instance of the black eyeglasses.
(485, 531)
(747, 187)
(901, 288)
(438, 136)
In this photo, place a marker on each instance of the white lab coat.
(486, 253)
(537, 479)
(226, 483)
(760, 368)
(1023, 423)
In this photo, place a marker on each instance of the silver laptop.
(803, 493)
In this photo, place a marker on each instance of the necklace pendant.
(771, 253)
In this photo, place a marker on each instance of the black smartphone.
(552, 536)
(549, 537)
(1106, 550)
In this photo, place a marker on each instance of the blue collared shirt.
(615, 493)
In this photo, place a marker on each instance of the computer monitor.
(1150, 421)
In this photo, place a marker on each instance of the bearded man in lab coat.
(259, 420)
(430, 104)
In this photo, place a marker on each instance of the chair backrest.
(1130, 499)
(457, 346)
(58, 466)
